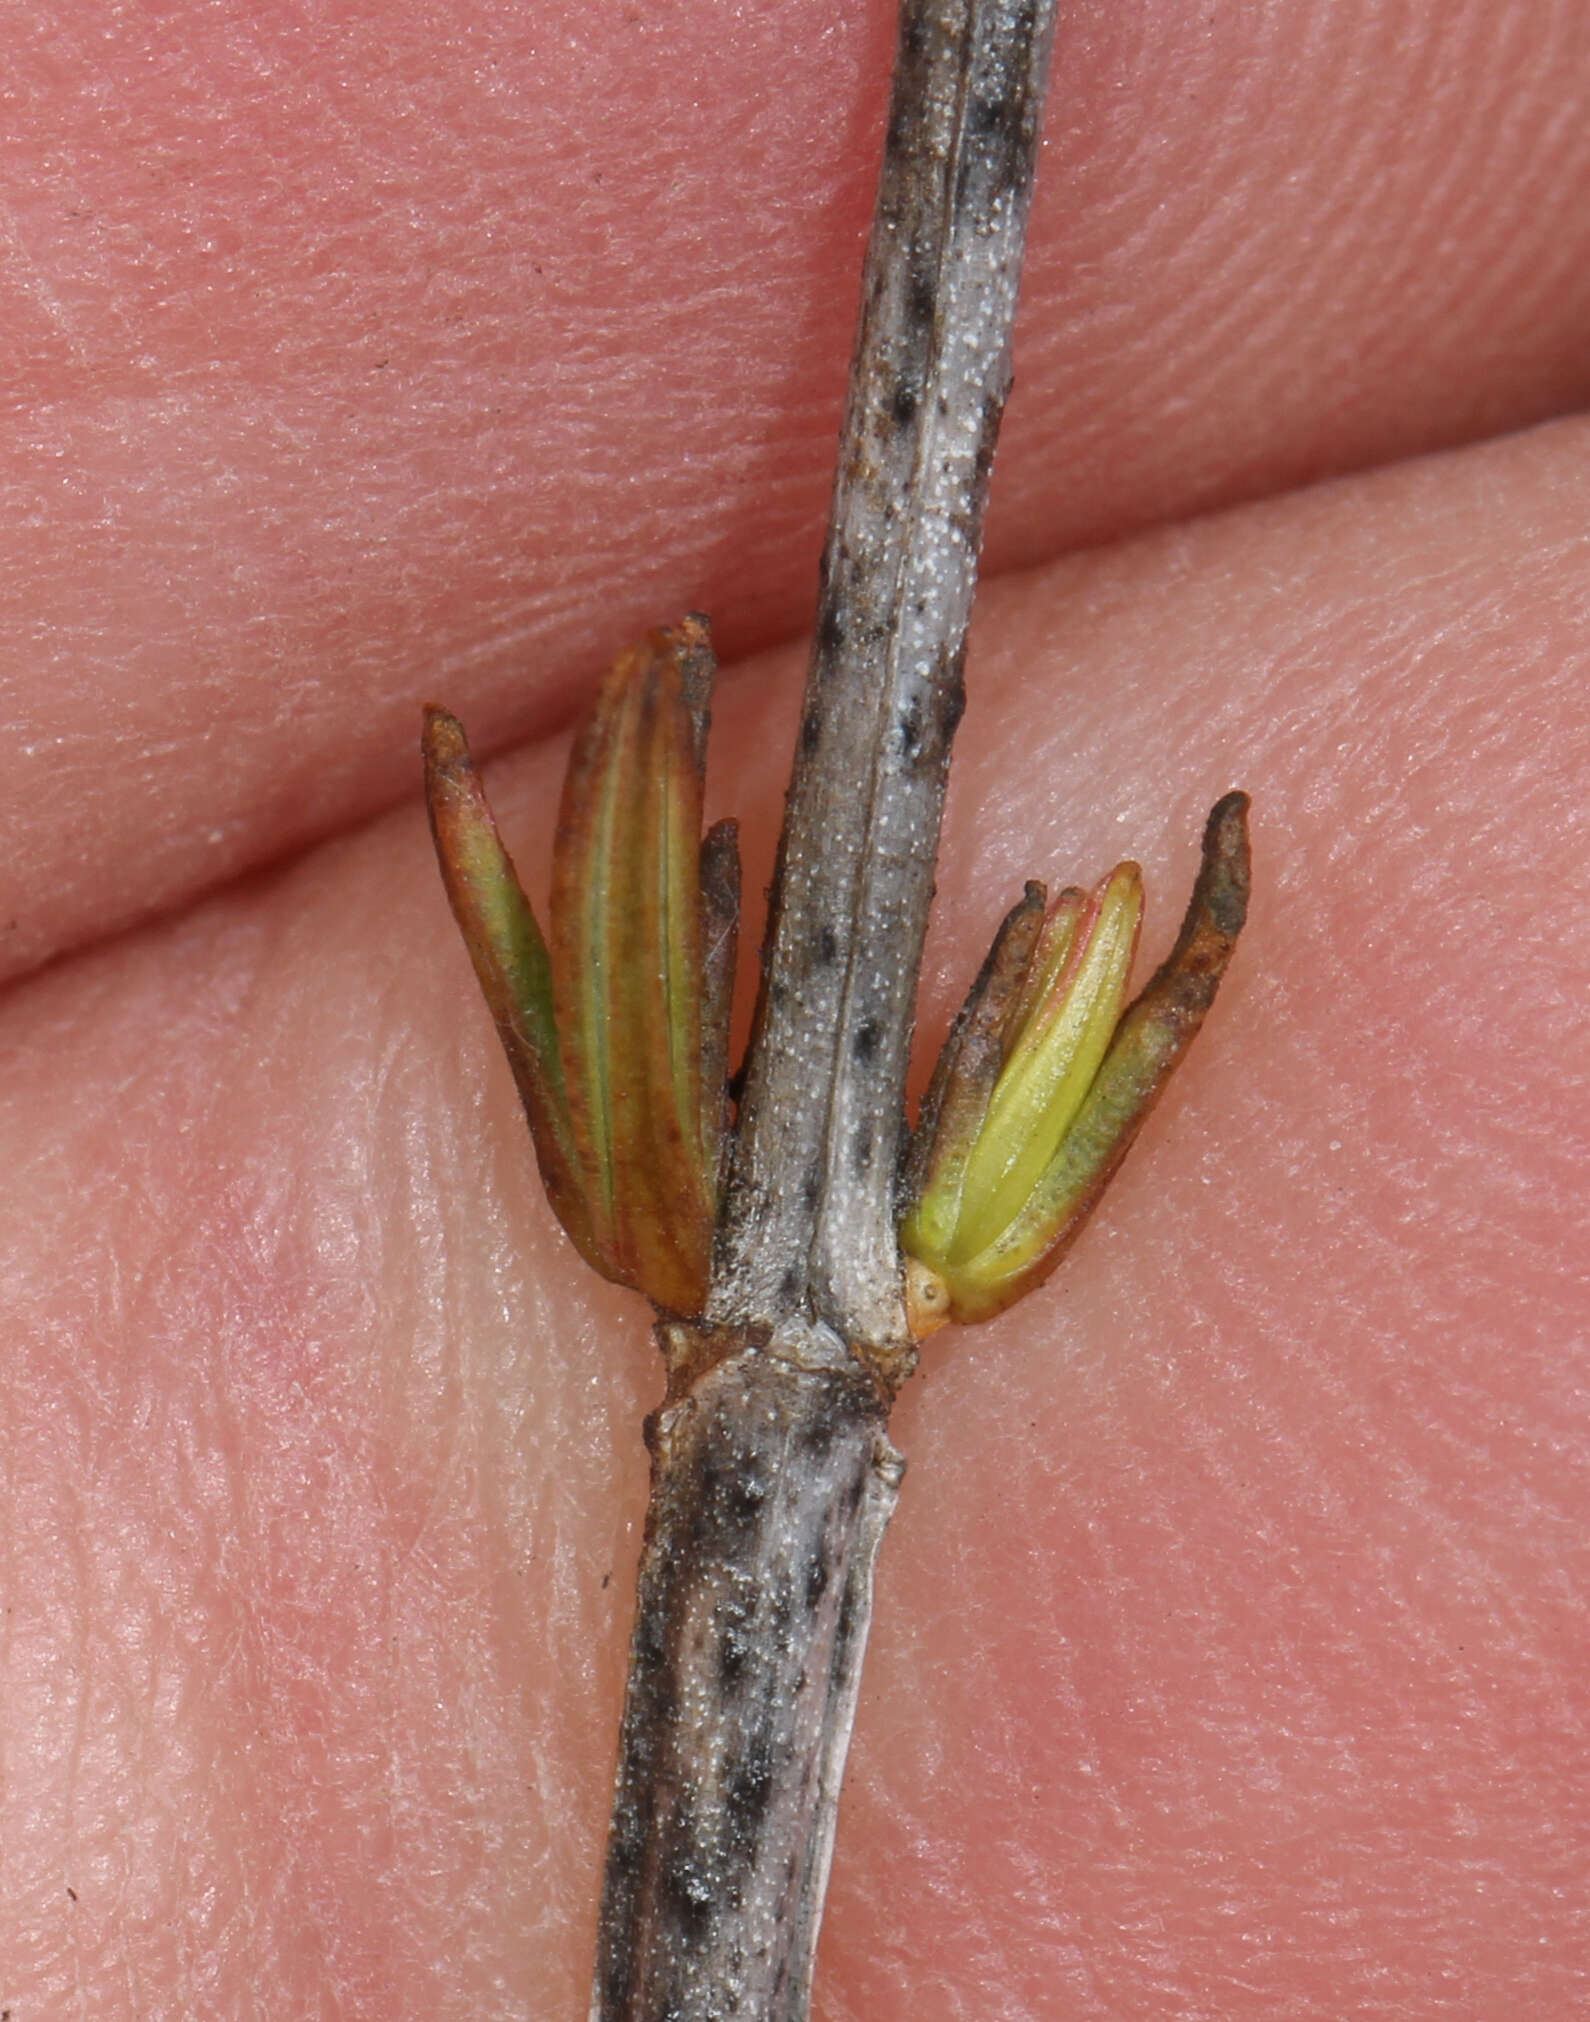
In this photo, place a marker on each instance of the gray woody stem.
(809, 1222)
(772, 1475)
(772, 1483)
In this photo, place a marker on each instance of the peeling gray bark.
(772, 1477)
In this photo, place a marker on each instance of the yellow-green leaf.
(1051, 1064)
(627, 945)
(968, 1068)
(1149, 1042)
(510, 961)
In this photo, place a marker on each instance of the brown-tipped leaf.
(1153, 1034)
(964, 1077)
(510, 961)
(1055, 1054)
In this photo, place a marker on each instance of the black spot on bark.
(865, 1043)
(730, 1502)
(651, 1649)
(951, 689)
(861, 1149)
(734, 1618)
(618, 1979)
(845, 1633)
(998, 129)
(812, 1188)
(687, 1888)
(743, 1497)
(988, 440)
(789, 1287)
(830, 631)
(817, 1437)
(990, 113)
(750, 1785)
(908, 729)
(733, 1649)
(628, 1837)
(817, 1575)
(827, 946)
(921, 296)
(903, 406)
(811, 730)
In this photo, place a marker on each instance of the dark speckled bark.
(772, 1476)
(809, 1224)
(772, 1482)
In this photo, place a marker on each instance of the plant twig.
(772, 1477)
(809, 1222)
(790, 1296)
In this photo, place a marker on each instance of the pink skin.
(1231, 1641)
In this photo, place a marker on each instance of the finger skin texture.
(1230, 1642)
(362, 355)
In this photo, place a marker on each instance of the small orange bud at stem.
(927, 1300)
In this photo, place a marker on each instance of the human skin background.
(1230, 1648)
